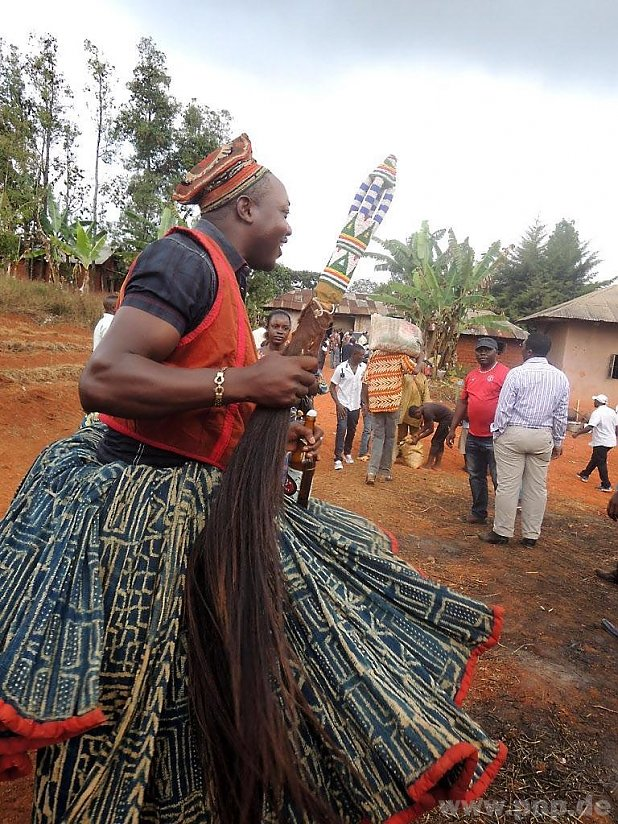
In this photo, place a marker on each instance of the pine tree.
(544, 271)
(520, 279)
(570, 266)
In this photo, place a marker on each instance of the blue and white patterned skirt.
(93, 650)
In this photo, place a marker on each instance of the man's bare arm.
(125, 375)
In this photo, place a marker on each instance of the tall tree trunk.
(48, 137)
(97, 157)
(54, 270)
(84, 273)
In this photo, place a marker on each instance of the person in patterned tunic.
(94, 551)
(382, 395)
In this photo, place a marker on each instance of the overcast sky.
(499, 111)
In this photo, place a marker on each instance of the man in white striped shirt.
(528, 429)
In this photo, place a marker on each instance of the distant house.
(351, 315)
(584, 343)
(106, 274)
(354, 312)
(508, 336)
(108, 271)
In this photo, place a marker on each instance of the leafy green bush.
(9, 246)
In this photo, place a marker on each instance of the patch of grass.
(46, 346)
(37, 375)
(47, 303)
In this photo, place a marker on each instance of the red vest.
(222, 339)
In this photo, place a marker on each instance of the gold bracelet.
(219, 379)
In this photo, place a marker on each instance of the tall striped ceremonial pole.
(370, 205)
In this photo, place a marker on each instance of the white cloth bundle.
(395, 335)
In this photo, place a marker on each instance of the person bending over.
(432, 414)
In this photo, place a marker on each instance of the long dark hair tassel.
(244, 697)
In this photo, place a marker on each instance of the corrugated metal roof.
(351, 304)
(600, 305)
(105, 253)
(295, 299)
(502, 329)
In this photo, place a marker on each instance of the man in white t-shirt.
(103, 324)
(603, 428)
(345, 389)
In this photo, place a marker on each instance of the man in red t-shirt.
(478, 403)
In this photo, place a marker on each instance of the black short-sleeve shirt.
(175, 280)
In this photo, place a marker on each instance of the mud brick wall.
(511, 355)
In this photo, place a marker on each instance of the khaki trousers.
(384, 428)
(522, 457)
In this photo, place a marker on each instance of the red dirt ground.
(549, 690)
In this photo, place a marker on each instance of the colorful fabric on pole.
(369, 207)
(221, 176)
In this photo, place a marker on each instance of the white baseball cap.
(603, 399)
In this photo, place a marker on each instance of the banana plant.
(169, 218)
(85, 246)
(56, 235)
(436, 288)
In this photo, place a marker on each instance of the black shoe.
(493, 538)
(606, 575)
(528, 542)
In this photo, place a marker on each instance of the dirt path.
(549, 690)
